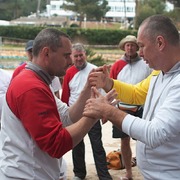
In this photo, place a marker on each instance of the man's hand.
(99, 77)
(105, 69)
(97, 106)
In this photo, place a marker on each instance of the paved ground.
(110, 144)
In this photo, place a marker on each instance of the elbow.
(158, 138)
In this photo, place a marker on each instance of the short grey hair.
(161, 25)
(78, 47)
(48, 37)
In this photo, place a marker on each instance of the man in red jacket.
(37, 128)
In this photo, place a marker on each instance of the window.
(129, 9)
(53, 7)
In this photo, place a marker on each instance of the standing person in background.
(28, 49)
(158, 131)
(5, 78)
(73, 83)
(63, 168)
(37, 128)
(56, 85)
(130, 69)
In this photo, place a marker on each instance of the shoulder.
(5, 76)
(28, 79)
(120, 61)
(18, 69)
(91, 65)
(70, 73)
(71, 68)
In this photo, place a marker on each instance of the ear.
(160, 42)
(45, 51)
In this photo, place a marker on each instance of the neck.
(131, 59)
(172, 57)
(82, 67)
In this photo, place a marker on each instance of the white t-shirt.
(5, 78)
(56, 85)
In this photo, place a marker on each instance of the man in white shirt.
(5, 78)
(158, 131)
(73, 83)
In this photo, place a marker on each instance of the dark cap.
(29, 45)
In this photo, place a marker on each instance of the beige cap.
(128, 38)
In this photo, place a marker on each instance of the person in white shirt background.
(5, 78)
(73, 83)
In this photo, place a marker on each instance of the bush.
(86, 36)
(92, 58)
(74, 25)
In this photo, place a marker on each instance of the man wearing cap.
(28, 49)
(130, 69)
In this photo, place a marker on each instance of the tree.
(174, 14)
(14, 9)
(145, 8)
(38, 8)
(175, 2)
(91, 9)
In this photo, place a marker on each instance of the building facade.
(119, 9)
(55, 8)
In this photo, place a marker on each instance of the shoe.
(76, 178)
(133, 162)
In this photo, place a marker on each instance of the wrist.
(108, 85)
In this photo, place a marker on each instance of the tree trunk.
(38, 8)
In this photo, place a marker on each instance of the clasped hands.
(98, 106)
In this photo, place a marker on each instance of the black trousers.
(78, 154)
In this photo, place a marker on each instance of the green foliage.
(85, 36)
(74, 25)
(147, 8)
(98, 37)
(157, 6)
(145, 12)
(175, 2)
(91, 9)
(20, 32)
(98, 61)
(174, 15)
(12, 9)
(93, 58)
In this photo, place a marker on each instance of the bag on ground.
(114, 160)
